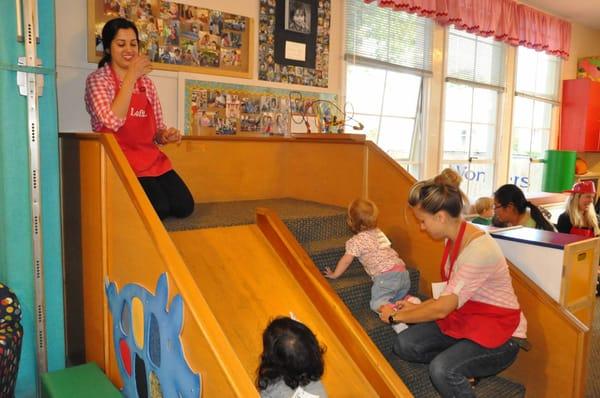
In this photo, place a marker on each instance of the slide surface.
(246, 284)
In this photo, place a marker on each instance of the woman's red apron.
(136, 136)
(587, 232)
(487, 325)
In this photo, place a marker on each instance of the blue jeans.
(452, 361)
(389, 287)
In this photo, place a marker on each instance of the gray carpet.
(225, 214)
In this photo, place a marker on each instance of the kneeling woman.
(121, 99)
(580, 216)
(468, 331)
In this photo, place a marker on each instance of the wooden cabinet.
(580, 116)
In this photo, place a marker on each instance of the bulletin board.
(212, 108)
(293, 38)
(179, 37)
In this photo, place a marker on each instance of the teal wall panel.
(16, 256)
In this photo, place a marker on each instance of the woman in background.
(511, 208)
(580, 217)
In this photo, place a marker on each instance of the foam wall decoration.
(152, 363)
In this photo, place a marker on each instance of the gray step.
(416, 378)
(381, 333)
(314, 228)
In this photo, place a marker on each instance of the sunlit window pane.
(458, 102)
(387, 104)
(396, 136)
(456, 140)
(483, 140)
(537, 73)
(519, 171)
(371, 126)
(401, 94)
(532, 120)
(364, 88)
(485, 106)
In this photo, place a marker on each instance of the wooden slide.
(246, 283)
(232, 280)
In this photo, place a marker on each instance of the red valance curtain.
(515, 24)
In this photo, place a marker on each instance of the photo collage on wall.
(179, 34)
(228, 109)
(298, 20)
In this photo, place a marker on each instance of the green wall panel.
(16, 256)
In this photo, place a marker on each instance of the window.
(388, 57)
(474, 82)
(536, 95)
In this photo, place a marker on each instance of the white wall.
(73, 68)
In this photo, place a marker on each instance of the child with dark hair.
(291, 363)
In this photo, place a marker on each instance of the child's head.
(291, 352)
(362, 215)
(484, 206)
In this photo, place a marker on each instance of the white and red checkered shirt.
(100, 91)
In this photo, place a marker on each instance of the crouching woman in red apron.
(580, 216)
(121, 99)
(470, 330)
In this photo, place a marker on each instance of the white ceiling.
(585, 12)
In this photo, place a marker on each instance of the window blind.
(384, 38)
(538, 74)
(475, 59)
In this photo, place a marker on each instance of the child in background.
(291, 364)
(484, 207)
(391, 281)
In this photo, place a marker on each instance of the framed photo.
(179, 37)
(296, 32)
(298, 16)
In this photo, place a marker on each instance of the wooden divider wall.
(124, 241)
(219, 170)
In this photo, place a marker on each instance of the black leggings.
(168, 194)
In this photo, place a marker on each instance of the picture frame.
(179, 37)
(293, 41)
(215, 108)
(296, 33)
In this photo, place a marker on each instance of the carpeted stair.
(322, 231)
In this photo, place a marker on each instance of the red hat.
(583, 187)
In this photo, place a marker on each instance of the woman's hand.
(385, 313)
(405, 305)
(138, 67)
(168, 135)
